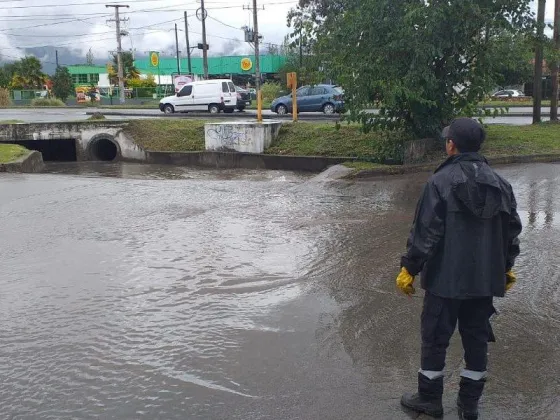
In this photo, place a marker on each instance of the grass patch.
(11, 121)
(167, 135)
(509, 140)
(321, 139)
(97, 117)
(47, 102)
(11, 152)
(510, 104)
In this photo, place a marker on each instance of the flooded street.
(147, 292)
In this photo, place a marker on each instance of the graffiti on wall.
(228, 137)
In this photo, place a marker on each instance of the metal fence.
(26, 96)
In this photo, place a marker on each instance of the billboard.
(180, 80)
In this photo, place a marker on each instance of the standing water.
(144, 292)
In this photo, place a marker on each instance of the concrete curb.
(30, 163)
(208, 116)
(430, 167)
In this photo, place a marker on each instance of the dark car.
(243, 98)
(319, 98)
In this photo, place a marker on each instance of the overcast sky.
(82, 24)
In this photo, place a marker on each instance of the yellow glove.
(405, 281)
(511, 278)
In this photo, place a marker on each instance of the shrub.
(97, 117)
(5, 99)
(270, 91)
(47, 102)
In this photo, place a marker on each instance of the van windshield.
(231, 87)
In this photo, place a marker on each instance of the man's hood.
(475, 185)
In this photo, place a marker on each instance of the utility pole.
(257, 61)
(556, 36)
(56, 54)
(177, 49)
(202, 17)
(537, 83)
(188, 44)
(300, 49)
(120, 71)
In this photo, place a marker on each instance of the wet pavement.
(152, 292)
(45, 115)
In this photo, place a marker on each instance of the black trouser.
(439, 319)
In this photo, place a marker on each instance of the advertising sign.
(87, 94)
(154, 59)
(246, 64)
(180, 80)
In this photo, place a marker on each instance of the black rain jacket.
(465, 232)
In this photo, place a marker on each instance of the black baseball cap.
(467, 134)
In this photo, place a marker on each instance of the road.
(518, 116)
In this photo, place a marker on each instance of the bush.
(5, 99)
(47, 102)
(97, 117)
(270, 91)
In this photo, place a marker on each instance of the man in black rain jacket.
(464, 241)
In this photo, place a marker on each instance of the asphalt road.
(517, 116)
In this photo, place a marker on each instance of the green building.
(217, 66)
(240, 68)
(84, 75)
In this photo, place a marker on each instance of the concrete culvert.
(104, 149)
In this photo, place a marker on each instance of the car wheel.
(168, 109)
(281, 109)
(329, 109)
(213, 109)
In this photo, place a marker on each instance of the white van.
(206, 95)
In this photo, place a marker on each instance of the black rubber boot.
(428, 398)
(469, 393)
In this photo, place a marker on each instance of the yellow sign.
(246, 64)
(154, 59)
(291, 80)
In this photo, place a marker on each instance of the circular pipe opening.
(104, 149)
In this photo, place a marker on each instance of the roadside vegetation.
(47, 102)
(320, 139)
(167, 135)
(5, 99)
(11, 152)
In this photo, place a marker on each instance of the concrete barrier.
(30, 163)
(242, 136)
(235, 160)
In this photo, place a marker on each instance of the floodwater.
(143, 292)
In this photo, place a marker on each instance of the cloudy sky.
(83, 24)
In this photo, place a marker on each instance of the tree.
(27, 74)
(422, 62)
(129, 70)
(89, 58)
(513, 58)
(63, 86)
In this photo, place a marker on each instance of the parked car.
(207, 95)
(319, 98)
(243, 98)
(509, 93)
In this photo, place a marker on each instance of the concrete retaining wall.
(31, 163)
(242, 136)
(83, 133)
(231, 160)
